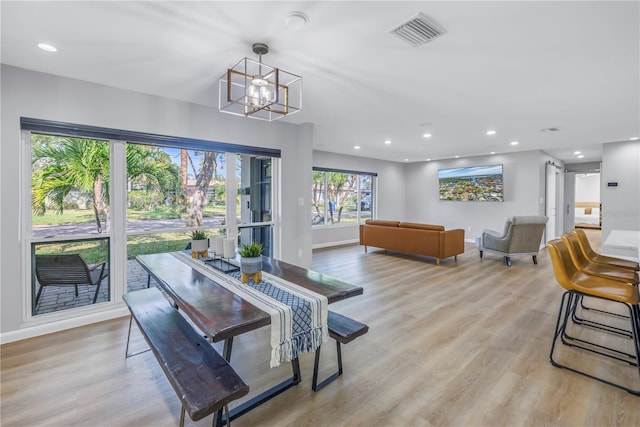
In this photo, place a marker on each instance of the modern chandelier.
(253, 89)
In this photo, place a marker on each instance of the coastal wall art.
(471, 184)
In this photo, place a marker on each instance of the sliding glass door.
(97, 203)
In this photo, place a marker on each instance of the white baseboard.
(351, 242)
(61, 325)
(331, 244)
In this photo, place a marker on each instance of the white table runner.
(291, 332)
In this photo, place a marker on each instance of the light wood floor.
(465, 343)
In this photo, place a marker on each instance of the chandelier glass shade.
(253, 89)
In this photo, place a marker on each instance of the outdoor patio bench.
(343, 329)
(203, 380)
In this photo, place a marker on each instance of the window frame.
(326, 213)
(117, 231)
(28, 241)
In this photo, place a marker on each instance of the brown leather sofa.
(414, 238)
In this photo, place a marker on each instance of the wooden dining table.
(223, 315)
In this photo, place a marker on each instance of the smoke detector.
(418, 30)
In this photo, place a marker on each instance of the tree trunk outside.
(97, 216)
(184, 174)
(199, 199)
(98, 202)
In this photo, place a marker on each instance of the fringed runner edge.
(285, 346)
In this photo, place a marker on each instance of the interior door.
(569, 204)
(550, 202)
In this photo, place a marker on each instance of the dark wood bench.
(203, 380)
(344, 330)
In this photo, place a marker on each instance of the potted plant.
(199, 244)
(251, 261)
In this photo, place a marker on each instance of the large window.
(171, 191)
(174, 190)
(100, 197)
(341, 197)
(70, 222)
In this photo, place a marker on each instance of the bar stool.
(577, 285)
(607, 271)
(588, 251)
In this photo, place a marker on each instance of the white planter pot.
(250, 265)
(200, 245)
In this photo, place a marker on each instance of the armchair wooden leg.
(535, 259)
(507, 260)
(481, 254)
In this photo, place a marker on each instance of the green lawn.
(92, 251)
(95, 251)
(69, 216)
(78, 216)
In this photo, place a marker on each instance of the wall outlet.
(299, 253)
(469, 229)
(300, 201)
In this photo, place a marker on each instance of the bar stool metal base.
(565, 314)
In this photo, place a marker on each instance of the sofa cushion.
(382, 222)
(421, 226)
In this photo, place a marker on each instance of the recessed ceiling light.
(297, 19)
(514, 143)
(406, 160)
(356, 147)
(457, 157)
(581, 156)
(426, 135)
(493, 152)
(47, 47)
(577, 152)
(633, 138)
(428, 160)
(490, 132)
(388, 141)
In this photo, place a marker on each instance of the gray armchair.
(521, 236)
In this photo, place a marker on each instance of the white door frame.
(552, 193)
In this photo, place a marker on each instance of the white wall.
(621, 204)
(523, 193)
(405, 191)
(409, 192)
(389, 197)
(587, 187)
(44, 96)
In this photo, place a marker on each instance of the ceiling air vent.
(418, 30)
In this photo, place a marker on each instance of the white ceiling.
(516, 67)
